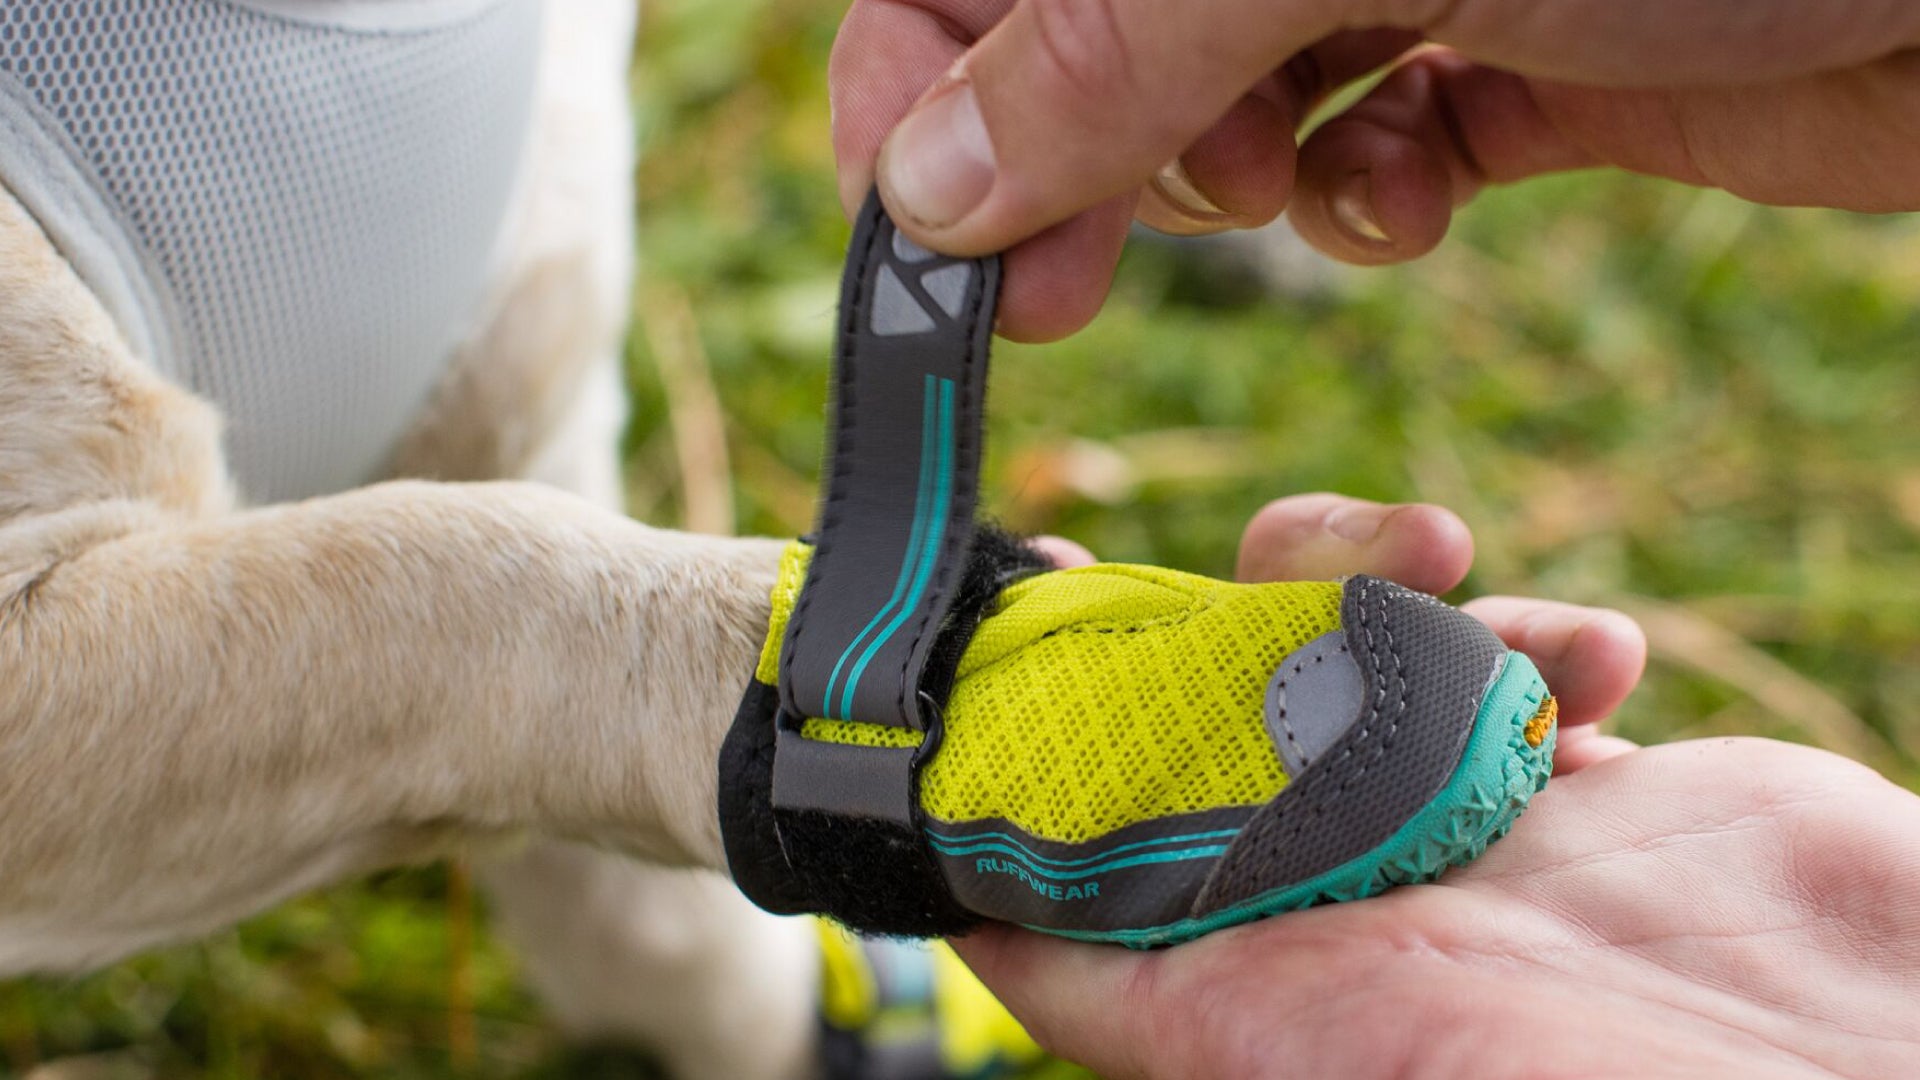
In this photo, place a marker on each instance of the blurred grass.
(1635, 393)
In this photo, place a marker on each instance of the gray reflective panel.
(895, 311)
(1312, 699)
(907, 251)
(948, 287)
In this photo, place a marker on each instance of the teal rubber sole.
(1499, 773)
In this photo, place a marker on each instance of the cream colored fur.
(205, 709)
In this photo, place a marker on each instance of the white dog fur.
(206, 709)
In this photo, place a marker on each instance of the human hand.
(1050, 123)
(1725, 907)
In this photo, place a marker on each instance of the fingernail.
(1352, 206)
(1358, 524)
(938, 164)
(1177, 187)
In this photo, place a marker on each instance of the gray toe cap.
(1376, 716)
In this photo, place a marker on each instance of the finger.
(1847, 139)
(1642, 43)
(885, 56)
(1239, 173)
(1056, 282)
(1591, 658)
(1379, 183)
(1578, 747)
(1235, 176)
(1324, 536)
(1063, 553)
(1309, 77)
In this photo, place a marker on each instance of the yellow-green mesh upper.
(786, 592)
(1096, 698)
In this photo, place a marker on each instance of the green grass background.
(1636, 393)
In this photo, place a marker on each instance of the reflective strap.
(835, 828)
(896, 521)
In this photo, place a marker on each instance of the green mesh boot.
(1139, 755)
(942, 730)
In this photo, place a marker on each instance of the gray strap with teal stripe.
(896, 521)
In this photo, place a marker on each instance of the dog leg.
(673, 960)
(206, 710)
(617, 949)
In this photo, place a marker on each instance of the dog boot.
(1139, 755)
(942, 730)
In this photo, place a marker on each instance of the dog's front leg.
(205, 710)
(199, 719)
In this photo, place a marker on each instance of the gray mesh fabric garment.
(290, 206)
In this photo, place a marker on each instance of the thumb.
(1067, 103)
